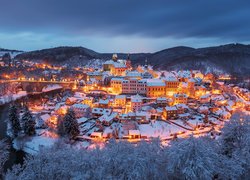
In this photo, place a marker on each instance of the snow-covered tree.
(234, 135)
(28, 122)
(14, 120)
(60, 126)
(115, 161)
(235, 145)
(70, 124)
(3, 154)
(192, 158)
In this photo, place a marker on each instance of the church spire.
(146, 63)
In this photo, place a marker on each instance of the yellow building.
(94, 75)
(116, 85)
(172, 85)
(170, 112)
(119, 101)
(118, 69)
(180, 98)
(155, 88)
(88, 100)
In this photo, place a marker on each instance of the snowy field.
(159, 129)
(8, 98)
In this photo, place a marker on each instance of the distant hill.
(10, 50)
(232, 58)
(12, 53)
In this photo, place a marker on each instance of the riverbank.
(17, 156)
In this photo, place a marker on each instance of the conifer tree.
(60, 126)
(70, 124)
(14, 120)
(28, 122)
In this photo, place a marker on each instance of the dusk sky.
(124, 25)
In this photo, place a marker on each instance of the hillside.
(232, 58)
(12, 53)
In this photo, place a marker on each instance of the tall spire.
(146, 63)
(128, 57)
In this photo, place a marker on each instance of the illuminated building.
(198, 74)
(190, 88)
(172, 85)
(80, 109)
(180, 98)
(156, 88)
(161, 101)
(107, 65)
(136, 102)
(134, 86)
(209, 77)
(205, 98)
(134, 134)
(104, 103)
(170, 112)
(97, 75)
(119, 101)
(118, 69)
(200, 91)
(133, 75)
(116, 85)
(88, 100)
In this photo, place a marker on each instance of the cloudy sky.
(122, 25)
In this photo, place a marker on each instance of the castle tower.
(128, 62)
(115, 57)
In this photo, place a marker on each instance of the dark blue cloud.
(221, 19)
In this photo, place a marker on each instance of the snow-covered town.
(131, 104)
(124, 90)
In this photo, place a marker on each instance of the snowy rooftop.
(108, 118)
(120, 97)
(103, 101)
(133, 73)
(80, 106)
(184, 106)
(82, 120)
(171, 78)
(136, 98)
(101, 111)
(117, 79)
(155, 82)
(134, 132)
(180, 95)
(171, 108)
(119, 65)
(45, 117)
(161, 99)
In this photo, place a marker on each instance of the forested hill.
(233, 58)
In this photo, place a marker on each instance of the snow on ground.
(182, 123)
(195, 122)
(159, 129)
(51, 87)
(8, 98)
(32, 144)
